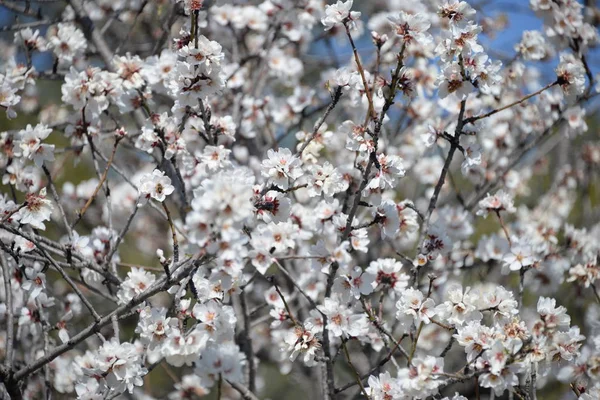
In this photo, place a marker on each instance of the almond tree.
(413, 215)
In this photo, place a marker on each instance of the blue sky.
(520, 18)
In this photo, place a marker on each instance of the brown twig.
(243, 391)
(506, 107)
(504, 227)
(6, 275)
(247, 343)
(335, 98)
(285, 304)
(173, 236)
(58, 203)
(371, 112)
(68, 279)
(356, 374)
(82, 212)
(440, 183)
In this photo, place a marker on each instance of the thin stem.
(373, 370)
(504, 227)
(247, 344)
(285, 303)
(8, 215)
(521, 285)
(169, 372)
(6, 275)
(414, 347)
(595, 291)
(115, 326)
(533, 394)
(220, 387)
(173, 235)
(440, 183)
(295, 283)
(441, 324)
(58, 203)
(122, 234)
(356, 374)
(68, 279)
(98, 187)
(359, 66)
(506, 107)
(25, 25)
(335, 98)
(385, 335)
(448, 346)
(243, 391)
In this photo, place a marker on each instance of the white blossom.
(339, 13)
(155, 185)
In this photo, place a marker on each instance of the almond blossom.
(156, 186)
(37, 209)
(339, 13)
